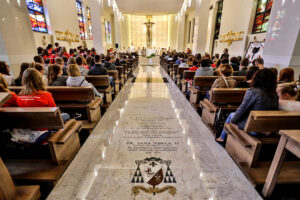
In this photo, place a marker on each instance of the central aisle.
(151, 144)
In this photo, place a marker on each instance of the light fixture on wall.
(190, 3)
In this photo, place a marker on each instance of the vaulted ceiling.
(149, 7)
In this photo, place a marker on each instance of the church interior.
(149, 99)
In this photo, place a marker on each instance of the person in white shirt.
(288, 94)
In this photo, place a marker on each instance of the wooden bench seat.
(228, 99)
(246, 150)
(75, 99)
(8, 190)
(63, 144)
(289, 141)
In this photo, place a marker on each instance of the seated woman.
(18, 81)
(246, 84)
(262, 96)
(40, 68)
(12, 102)
(76, 80)
(286, 75)
(55, 77)
(288, 94)
(34, 94)
(225, 81)
(5, 71)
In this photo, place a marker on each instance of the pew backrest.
(180, 70)
(114, 74)
(272, 121)
(227, 95)
(31, 118)
(65, 93)
(99, 80)
(188, 74)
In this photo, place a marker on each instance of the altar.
(150, 52)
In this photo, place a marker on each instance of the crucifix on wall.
(149, 25)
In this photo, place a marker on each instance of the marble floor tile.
(151, 144)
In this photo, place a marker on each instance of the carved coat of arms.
(153, 172)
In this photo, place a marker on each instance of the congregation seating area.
(29, 169)
(270, 157)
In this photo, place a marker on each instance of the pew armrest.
(62, 135)
(194, 90)
(212, 108)
(242, 137)
(93, 105)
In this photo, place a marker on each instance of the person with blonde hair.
(75, 79)
(12, 102)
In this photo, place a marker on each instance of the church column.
(97, 14)
(282, 45)
(16, 36)
(180, 32)
(117, 23)
(201, 24)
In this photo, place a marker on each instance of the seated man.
(98, 68)
(108, 63)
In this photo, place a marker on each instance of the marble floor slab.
(151, 144)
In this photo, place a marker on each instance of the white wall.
(16, 36)
(238, 15)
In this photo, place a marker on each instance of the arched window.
(81, 20)
(89, 20)
(218, 19)
(262, 16)
(37, 16)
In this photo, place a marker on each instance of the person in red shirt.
(194, 67)
(34, 93)
(12, 102)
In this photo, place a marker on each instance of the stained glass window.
(81, 20)
(219, 17)
(89, 20)
(37, 16)
(262, 16)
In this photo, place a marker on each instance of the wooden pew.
(173, 71)
(227, 99)
(179, 75)
(4, 97)
(187, 75)
(115, 75)
(205, 83)
(8, 190)
(289, 141)
(245, 149)
(63, 144)
(76, 99)
(121, 75)
(102, 84)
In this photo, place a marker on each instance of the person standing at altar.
(131, 48)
